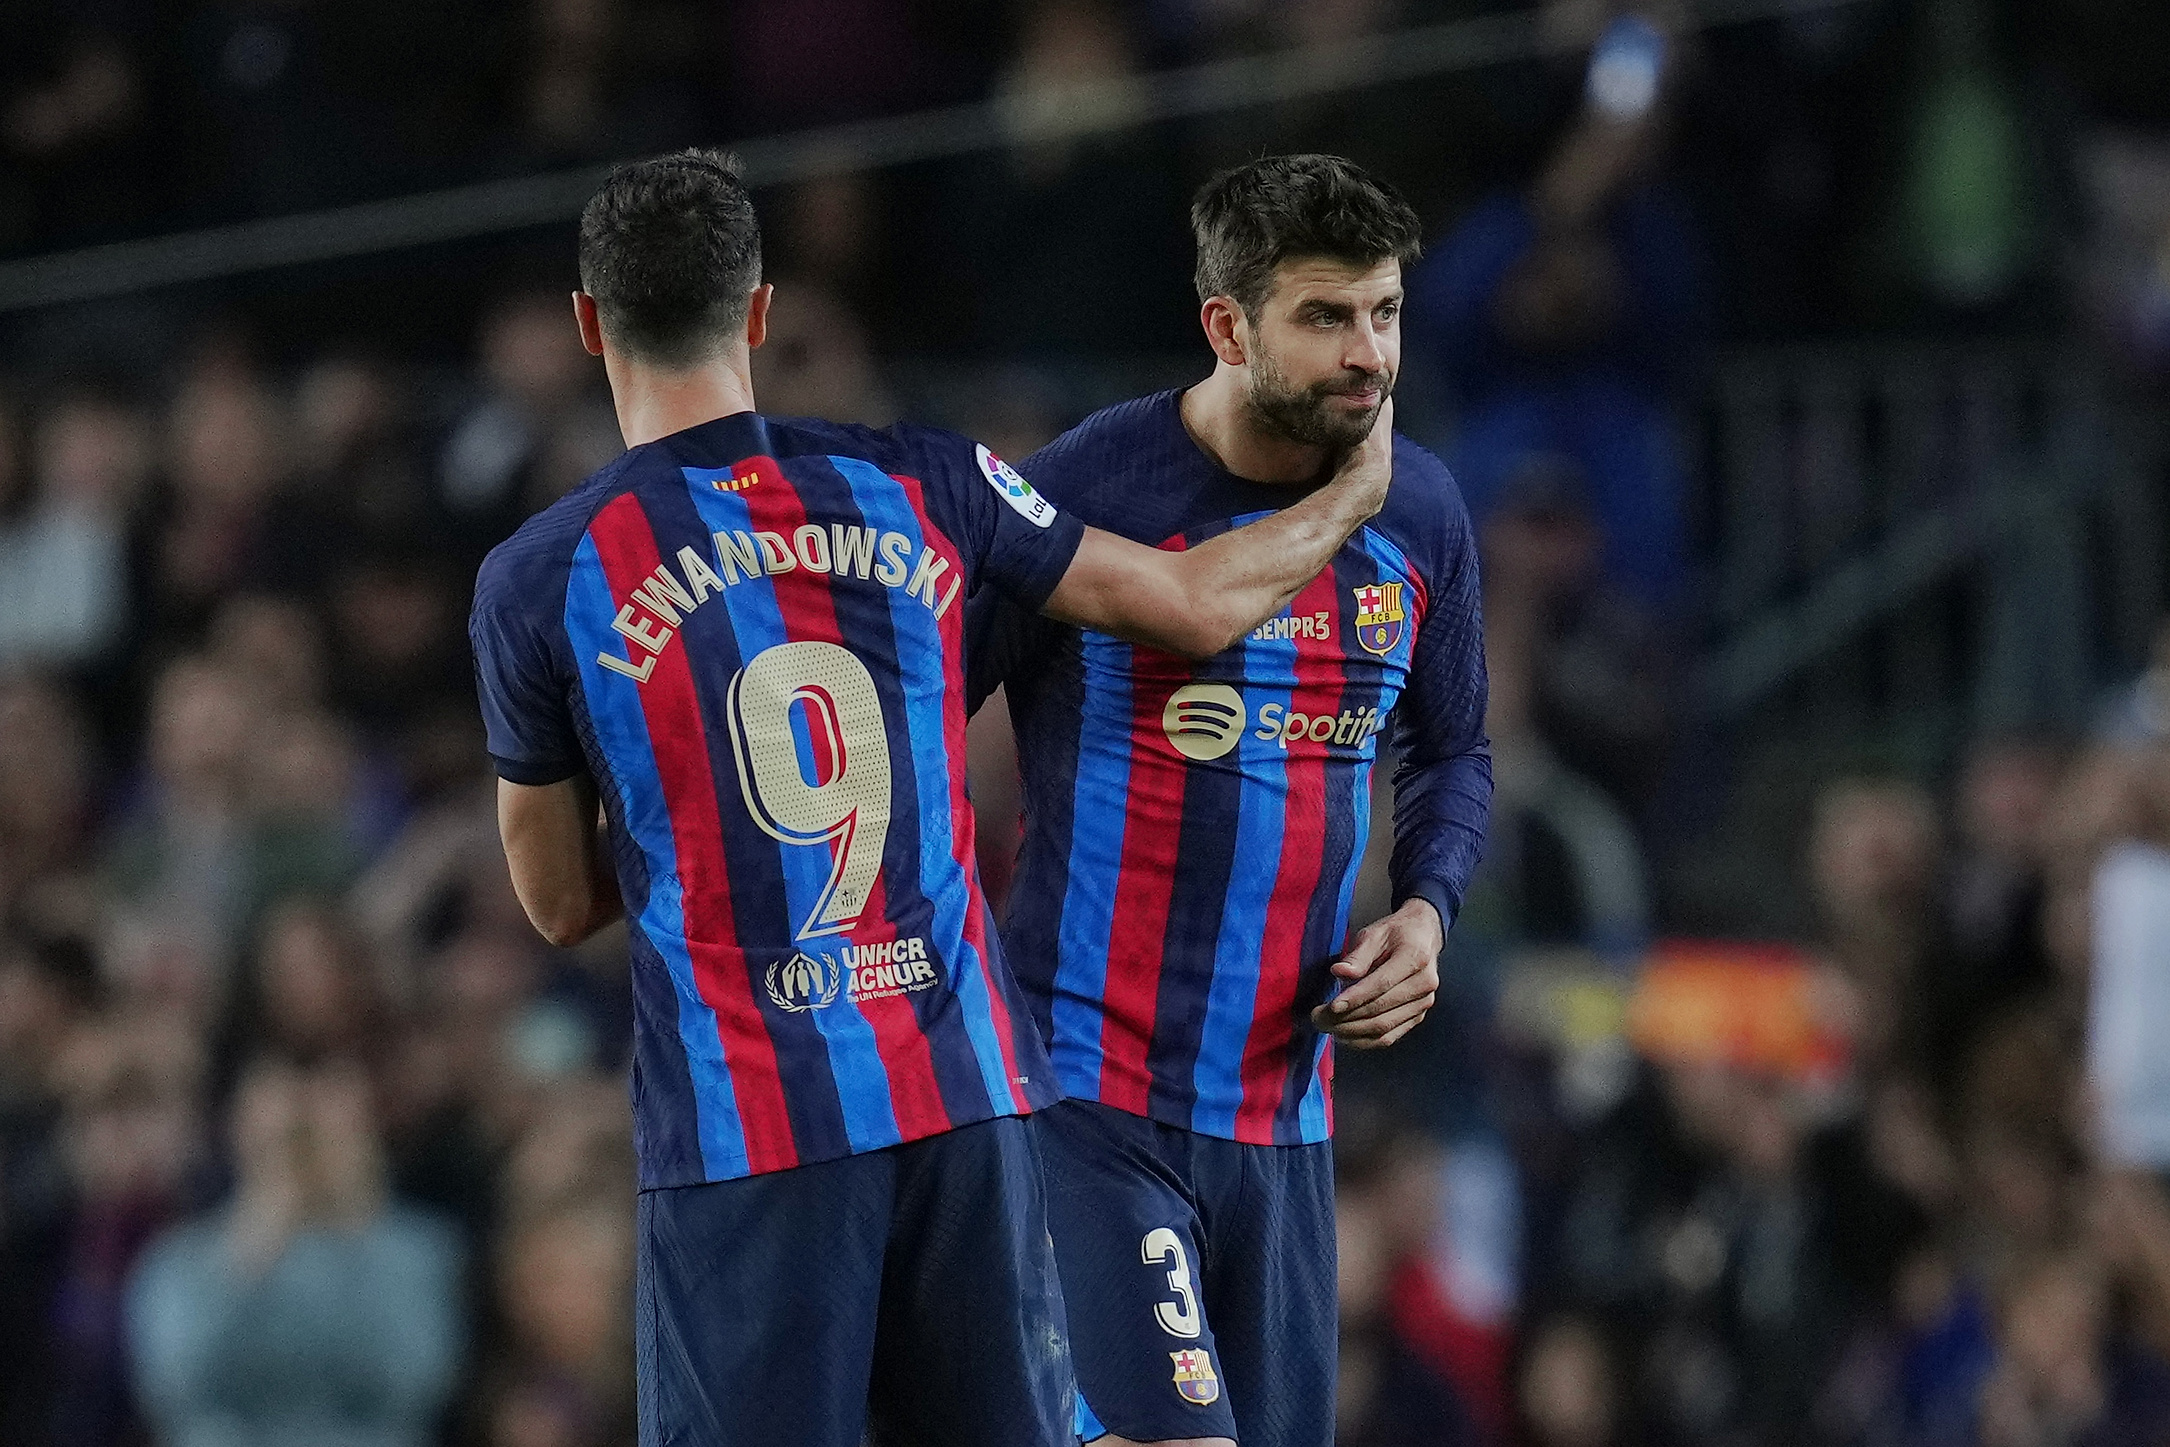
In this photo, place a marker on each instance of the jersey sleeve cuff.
(532, 772)
(1067, 536)
(1435, 893)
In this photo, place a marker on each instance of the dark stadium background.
(1796, 1079)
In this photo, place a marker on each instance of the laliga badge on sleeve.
(1194, 1377)
(1015, 491)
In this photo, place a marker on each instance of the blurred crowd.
(1903, 1183)
(304, 1135)
(305, 1138)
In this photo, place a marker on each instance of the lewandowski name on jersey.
(1193, 831)
(748, 634)
(841, 551)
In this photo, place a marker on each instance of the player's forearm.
(1202, 601)
(605, 905)
(1247, 575)
(560, 865)
(1243, 577)
(1441, 810)
(570, 914)
(584, 912)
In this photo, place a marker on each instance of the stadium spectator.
(1389, 1394)
(1568, 1393)
(47, 776)
(179, 850)
(133, 1139)
(310, 993)
(532, 430)
(566, 1291)
(1995, 886)
(360, 473)
(828, 233)
(227, 456)
(310, 1309)
(47, 988)
(63, 547)
(600, 78)
(2128, 1006)
(1588, 663)
(1570, 317)
(1001, 221)
(817, 362)
(2062, 1370)
(75, 123)
(1874, 860)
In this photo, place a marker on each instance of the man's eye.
(1390, 311)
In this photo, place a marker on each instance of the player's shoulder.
(1425, 515)
(1418, 471)
(900, 446)
(1123, 430)
(529, 568)
(885, 447)
(936, 457)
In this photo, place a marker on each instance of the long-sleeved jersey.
(1193, 832)
(750, 634)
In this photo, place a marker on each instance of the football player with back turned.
(1193, 830)
(743, 639)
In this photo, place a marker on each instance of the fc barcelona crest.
(1195, 1379)
(1379, 617)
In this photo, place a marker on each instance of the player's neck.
(654, 402)
(1225, 429)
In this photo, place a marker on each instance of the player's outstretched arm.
(1202, 600)
(560, 869)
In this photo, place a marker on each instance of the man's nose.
(1364, 353)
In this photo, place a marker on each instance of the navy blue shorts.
(911, 1292)
(1198, 1275)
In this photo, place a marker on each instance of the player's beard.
(1307, 414)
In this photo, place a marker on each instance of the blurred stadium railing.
(998, 123)
(1966, 537)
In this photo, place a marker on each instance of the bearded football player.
(1179, 916)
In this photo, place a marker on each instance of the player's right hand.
(1390, 978)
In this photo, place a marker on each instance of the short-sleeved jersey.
(750, 634)
(1193, 831)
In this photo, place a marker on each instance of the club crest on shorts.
(1194, 1377)
(1379, 617)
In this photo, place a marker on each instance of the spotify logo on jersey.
(1203, 720)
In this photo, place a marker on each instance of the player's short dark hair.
(1251, 218)
(670, 249)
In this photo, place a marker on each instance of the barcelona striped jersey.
(1193, 831)
(749, 633)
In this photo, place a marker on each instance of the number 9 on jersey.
(813, 759)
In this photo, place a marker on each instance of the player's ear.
(591, 326)
(757, 314)
(1223, 322)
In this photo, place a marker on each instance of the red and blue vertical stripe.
(1202, 901)
(658, 756)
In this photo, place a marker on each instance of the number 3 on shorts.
(1179, 1317)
